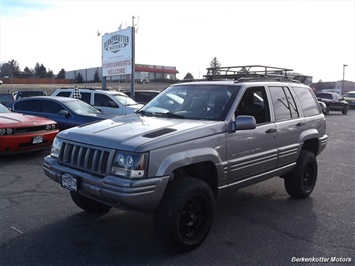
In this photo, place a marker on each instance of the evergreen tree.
(215, 64)
(189, 76)
(79, 78)
(61, 74)
(96, 76)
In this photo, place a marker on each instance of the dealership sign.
(117, 53)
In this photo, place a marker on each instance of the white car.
(110, 102)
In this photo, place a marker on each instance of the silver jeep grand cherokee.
(191, 142)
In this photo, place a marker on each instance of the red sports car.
(23, 133)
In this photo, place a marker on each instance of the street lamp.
(342, 87)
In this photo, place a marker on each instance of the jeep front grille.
(88, 159)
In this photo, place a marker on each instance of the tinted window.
(64, 93)
(86, 97)
(28, 105)
(283, 103)
(103, 100)
(52, 107)
(307, 100)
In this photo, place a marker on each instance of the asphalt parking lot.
(258, 225)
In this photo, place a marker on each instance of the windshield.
(195, 101)
(124, 99)
(3, 109)
(80, 107)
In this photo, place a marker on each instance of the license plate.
(37, 140)
(69, 182)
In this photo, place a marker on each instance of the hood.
(141, 133)
(17, 119)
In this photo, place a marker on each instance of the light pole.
(342, 87)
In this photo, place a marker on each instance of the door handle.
(271, 130)
(301, 124)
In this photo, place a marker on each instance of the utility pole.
(342, 87)
(133, 61)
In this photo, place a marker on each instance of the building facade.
(142, 73)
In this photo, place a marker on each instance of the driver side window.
(254, 103)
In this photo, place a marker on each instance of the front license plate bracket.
(69, 182)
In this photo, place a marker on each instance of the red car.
(23, 133)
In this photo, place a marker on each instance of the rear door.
(289, 124)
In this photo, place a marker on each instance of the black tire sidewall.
(167, 217)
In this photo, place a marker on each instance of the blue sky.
(312, 37)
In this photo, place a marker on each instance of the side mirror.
(244, 122)
(63, 112)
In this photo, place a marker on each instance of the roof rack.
(250, 73)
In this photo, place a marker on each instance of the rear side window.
(32, 106)
(64, 93)
(284, 104)
(307, 100)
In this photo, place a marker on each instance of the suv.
(333, 101)
(350, 98)
(191, 142)
(107, 101)
(23, 94)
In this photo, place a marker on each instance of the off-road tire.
(302, 180)
(88, 204)
(345, 110)
(185, 215)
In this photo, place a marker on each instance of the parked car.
(28, 93)
(6, 98)
(189, 144)
(334, 101)
(323, 107)
(107, 101)
(142, 96)
(350, 98)
(24, 133)
(67, 112)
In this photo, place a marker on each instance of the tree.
(50, 74)
(189, 76)
(40, 71)
(79, 78)
(6, 70)
(15, 68)
(61, 74)
(215, 64)
(96, 77)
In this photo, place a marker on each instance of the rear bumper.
(143, 195)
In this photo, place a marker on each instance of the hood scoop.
(159, 133)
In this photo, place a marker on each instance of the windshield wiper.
(170, 115)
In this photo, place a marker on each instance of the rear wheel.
(302, 180)
(185, 215)
(87, 204)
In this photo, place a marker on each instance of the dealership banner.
(117, 53)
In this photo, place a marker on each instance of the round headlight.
(129, 161)
(120, 159)
(48, 127)
(9, 131)
(2, 131)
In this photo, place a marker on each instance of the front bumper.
(142, 195)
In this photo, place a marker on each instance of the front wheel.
(345, 110)
(87, 204)
(185, 215)
(302, 180)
